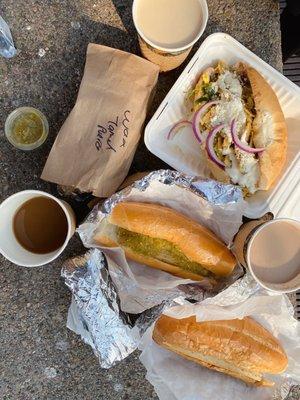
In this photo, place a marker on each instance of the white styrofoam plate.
(183, 152)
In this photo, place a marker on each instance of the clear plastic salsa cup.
(26, 128)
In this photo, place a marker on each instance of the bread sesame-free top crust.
(272, 159)
(240, 348)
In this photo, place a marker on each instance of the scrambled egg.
(206, 78)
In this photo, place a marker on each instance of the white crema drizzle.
(244, 169)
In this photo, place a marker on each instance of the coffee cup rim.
(59, 250)
(204, 7)
(257, 231)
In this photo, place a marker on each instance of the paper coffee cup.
(167, 57)
(10, 248)
(270, 250)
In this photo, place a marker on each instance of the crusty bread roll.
(240, 348)
(273, 136)
(195, 243)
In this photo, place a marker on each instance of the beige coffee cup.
(10, 248)
(167, 57)
(270, 250)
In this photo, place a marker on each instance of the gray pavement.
(39, 358)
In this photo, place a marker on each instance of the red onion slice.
(240, 144)
(180, 124)
(210, 146)
(197, 117)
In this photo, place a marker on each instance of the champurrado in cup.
(168, 29)
(271, 251)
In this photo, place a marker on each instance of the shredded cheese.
(229, 84)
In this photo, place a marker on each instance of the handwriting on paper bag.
(125, 123)
(113, 135)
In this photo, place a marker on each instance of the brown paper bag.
(95, 146)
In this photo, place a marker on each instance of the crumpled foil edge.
(95, 294)
(110, 330)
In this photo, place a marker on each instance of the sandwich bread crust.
(240, 348)
(269, 129)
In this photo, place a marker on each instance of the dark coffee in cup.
(40, 225)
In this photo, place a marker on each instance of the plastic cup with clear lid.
(26, 128)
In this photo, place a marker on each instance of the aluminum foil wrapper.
(216, 197)
(215, 205)
(95, 313)
(115, 300)
(175, 378)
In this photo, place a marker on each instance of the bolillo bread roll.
(240, 348)
(162, 238)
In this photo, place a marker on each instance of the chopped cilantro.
(208, 93)
(201, 99)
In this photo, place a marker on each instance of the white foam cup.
(10, 248)
(170, 57)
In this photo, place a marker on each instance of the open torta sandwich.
(240, 125)
(165, 239)
(241, 348)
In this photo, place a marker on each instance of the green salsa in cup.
(26, 128)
